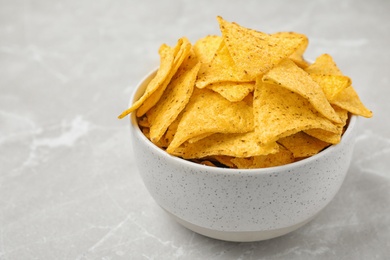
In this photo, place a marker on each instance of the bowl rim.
(136, 130)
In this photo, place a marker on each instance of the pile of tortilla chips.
(246, 99)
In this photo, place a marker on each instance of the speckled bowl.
(241, 205)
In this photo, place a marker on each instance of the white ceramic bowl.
(241, 205)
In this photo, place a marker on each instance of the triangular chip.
(303, 145)
(256, 52)
(224, 160)
(288, 75)
(282, 157)
(324, 65)
(331, 137)
(349, 100)
(332, 85)
(182, 51)
(237, 145)
(209, 112)
(206, 47)
(220, 69)
(167, 56)
(173, 100)
(232, 91)
(297, 55)
(280, 112)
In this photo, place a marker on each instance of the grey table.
(69, 188)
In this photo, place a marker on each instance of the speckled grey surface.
(69, 188)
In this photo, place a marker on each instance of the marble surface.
(69, 188)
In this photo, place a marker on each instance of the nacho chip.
(232, 91)
(302, 145)
(206, 47)
(236, 145)
(288, 75)
(173, 100)
(144, 122)
(297, 55)
(280, 112)
(349, 100)
(332, 85)
(198, 137)
(209, 112)
(167, 55)
(220, 69)
(207, 163)
(331, 137)
(256, 52)
(282, 157)
(182, 50)
(224, 160)
(172, 129)
(324, 65)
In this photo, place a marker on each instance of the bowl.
(240, 204)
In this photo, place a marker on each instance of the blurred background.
(68, 185)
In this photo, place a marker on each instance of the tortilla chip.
(282, 157)
(182, 51)
(256, 52)
(302, 145)
(232, 91)
(332, 85)
(173, 100)
(349, 100)
(280, 112)
(224, 160)
(209, 112)
(297, 55)
(324, 65)
(236, 145)
(167, 55)
(288, 75)
(347, 97)
(206, 47)
(331, 137)
(220, 69)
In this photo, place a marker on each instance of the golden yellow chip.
(324, 65)
(206, 47)
(302, 145)
(297, 55)
(224, 160)
(349, 100)
(331, 137)
(167, 55)
(172, 129)
(288, 75)
(282, 157)
(182, 51)
(220, 69)
(144, 122)
(173, 100)
(332, 85)
(280, 112)
(209, 112)
(207, 163)
(237, 145)
(256, 52)
(232, 91)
